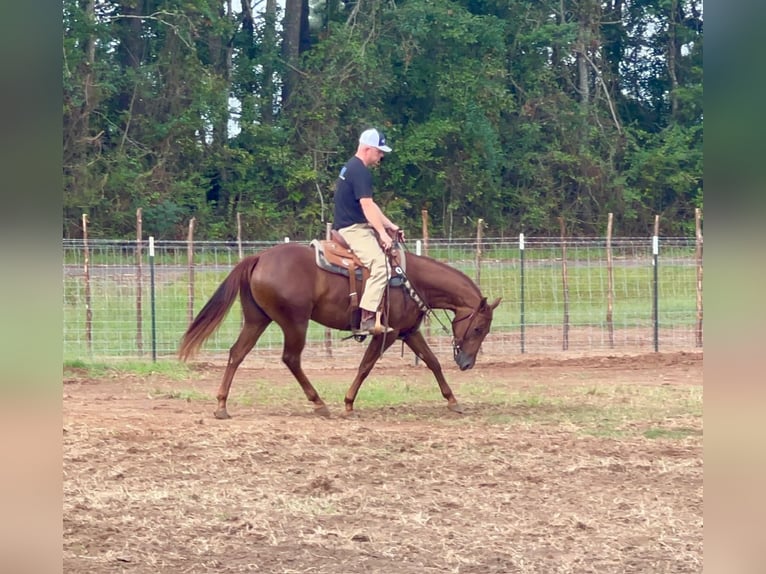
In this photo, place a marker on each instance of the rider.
(362, 223)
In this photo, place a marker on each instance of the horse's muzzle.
(465, 362)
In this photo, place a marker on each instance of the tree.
(514, 112)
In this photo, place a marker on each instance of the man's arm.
(388, 224)
(378, 220)
(374, 215)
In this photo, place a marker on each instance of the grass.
(544, 300)
(556, 473)
(118, 328)
(613, 411)
(619, 411)
(393, 391)
(652, 411)
(182, 394)
(169, 369)
(672, 434)
(602, 410)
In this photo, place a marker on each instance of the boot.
(367, 324)
(371, 323)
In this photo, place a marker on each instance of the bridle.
(457, 343)
(428, 311)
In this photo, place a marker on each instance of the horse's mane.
(432, 275)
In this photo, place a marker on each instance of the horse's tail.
(215, 310)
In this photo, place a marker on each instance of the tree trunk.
(583, 73)
(270, 42)
(612, 36)
(291, 47)
(673, 53)
(220, 56)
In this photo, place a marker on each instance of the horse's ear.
(483, 305)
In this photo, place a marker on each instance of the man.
(362, 223)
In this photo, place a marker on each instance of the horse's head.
(469, 327)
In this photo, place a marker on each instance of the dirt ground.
(154, 483)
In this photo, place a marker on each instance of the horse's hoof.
(350, 415)
(455, 408)
(222, 414)
(322, 411)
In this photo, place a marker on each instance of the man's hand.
(396, 233)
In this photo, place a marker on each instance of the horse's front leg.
(418, 344)
(371, 355)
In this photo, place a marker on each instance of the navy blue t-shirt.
(354, 183)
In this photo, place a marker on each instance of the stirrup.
(373, 326)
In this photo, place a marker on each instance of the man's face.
(375, 156)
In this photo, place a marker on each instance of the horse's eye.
(478, 330)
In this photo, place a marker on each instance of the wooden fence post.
(656, 294)
(239, 235)
(424, 220)
(610, 283)
(86, 270)
(328, 331)
(698, 225)
(479, 226)
(565, 284)
(190, 258)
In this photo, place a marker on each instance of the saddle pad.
(323, 263)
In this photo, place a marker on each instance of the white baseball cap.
(374, 138)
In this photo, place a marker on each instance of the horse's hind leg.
(247, 339)
(295, 341)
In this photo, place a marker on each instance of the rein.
(429, 311)
(455, 343)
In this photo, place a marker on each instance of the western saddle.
(335, 255)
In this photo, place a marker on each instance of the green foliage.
(517, 113)
(666, 173)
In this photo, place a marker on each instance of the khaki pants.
(364, 244)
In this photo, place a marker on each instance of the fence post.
(139, 294)
(698, 226)
(521, 294)
(418, 252)
(328, 331)
(656, 289)
(88, 308)
(424, 219)
(239, 235)
(190, 260)
(610, 283)
(565, 284)
(478, 251)
(151, 290)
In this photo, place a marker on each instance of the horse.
(284, 284)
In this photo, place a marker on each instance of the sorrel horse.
(283, 284)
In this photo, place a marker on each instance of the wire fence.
(585, 296)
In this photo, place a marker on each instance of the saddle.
(335, 255)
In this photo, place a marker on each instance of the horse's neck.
(442, 286)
